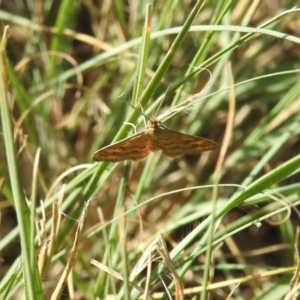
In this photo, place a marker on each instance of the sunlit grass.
(227, 216)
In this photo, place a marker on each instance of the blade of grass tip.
(33, 207)
(46, 253)
(33, 287)
(62, 281)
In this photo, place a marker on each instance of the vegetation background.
(72, 72)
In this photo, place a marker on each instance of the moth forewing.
(134, 148)
(154, 137)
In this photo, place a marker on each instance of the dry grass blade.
(113, 273)
(294, 284)
(62, 282)
(163, 251)
(46, 253)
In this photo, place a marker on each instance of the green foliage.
(78, 73)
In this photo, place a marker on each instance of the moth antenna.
(134, 126)
(142, 111)
(163, 98)
(139, 110)
(126, 89)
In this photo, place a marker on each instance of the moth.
(154, 137)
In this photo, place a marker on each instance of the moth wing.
(134, 148)
(174, 143)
